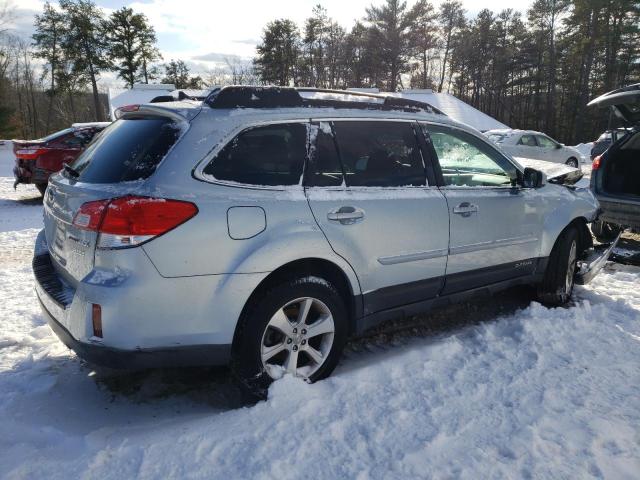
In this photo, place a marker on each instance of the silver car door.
(549, 149)
(495, 224)
(365, 183)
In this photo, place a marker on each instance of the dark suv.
(615, 179)
(607, 139)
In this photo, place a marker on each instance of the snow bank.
(527, 393)
(585, 150)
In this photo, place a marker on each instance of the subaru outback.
(264, 226)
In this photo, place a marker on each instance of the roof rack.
(290, 97)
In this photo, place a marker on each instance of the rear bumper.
(97, 354)
(68, 312)
(29, 173)
(623, 213)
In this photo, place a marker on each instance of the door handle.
(346, 215)
(465, 209)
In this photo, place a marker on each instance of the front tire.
(572, 162)
(557, 285)
(298, 327)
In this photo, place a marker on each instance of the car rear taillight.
(596, 163)
(130, 221)
(29, 153)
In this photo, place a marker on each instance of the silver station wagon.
(264, 226)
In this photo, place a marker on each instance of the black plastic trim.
(289, 97)
(418, 297)
(462, 281)
(403, 294)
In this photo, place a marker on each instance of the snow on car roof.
(90, 124)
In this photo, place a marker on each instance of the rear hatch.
(616, 171)
(625, 103)
(115, 165)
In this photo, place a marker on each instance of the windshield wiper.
(71, 171)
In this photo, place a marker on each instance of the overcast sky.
(200, 30)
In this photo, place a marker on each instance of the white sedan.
(535, 145)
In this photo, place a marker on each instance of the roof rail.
(290, 97)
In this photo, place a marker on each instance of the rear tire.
(42, 187)
(557, 286)
(572, 162)
(275, 321)
(605, 232)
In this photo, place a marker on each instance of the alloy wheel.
(572, 162)
(571, 268)
(298, 338)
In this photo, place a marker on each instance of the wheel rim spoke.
(571, 267)
(305, 306)
(281, 322)
(291, 365)
(269, 352)
(322, 326)
(315, 355)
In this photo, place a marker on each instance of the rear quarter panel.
(204, 245)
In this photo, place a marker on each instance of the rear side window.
(129, 149)
(528, 141)
(379, 154)
(271, 155)
(324, 168)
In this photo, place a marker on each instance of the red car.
(36, 160)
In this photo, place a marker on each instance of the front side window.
(379, 154)
(271, 155)
(546, 142)
(528, 141)
(467, 161)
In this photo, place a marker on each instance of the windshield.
(127, 150)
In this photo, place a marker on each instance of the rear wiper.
(71, 171)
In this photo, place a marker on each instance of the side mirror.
(559, 146)
(532, 178)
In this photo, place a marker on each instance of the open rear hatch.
(625, 103)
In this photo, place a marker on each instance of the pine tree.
(85, 43)
(177, 73)
(278, 54)
(124, 47)
(148, 52)
(452, 20)
(424, 41)
(390, 28)
(50, 32)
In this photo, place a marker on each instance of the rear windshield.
(127, 150)
(55, 135)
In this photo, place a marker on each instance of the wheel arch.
(321, 267)
(585, 238)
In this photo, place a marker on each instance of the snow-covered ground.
(501, 388)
